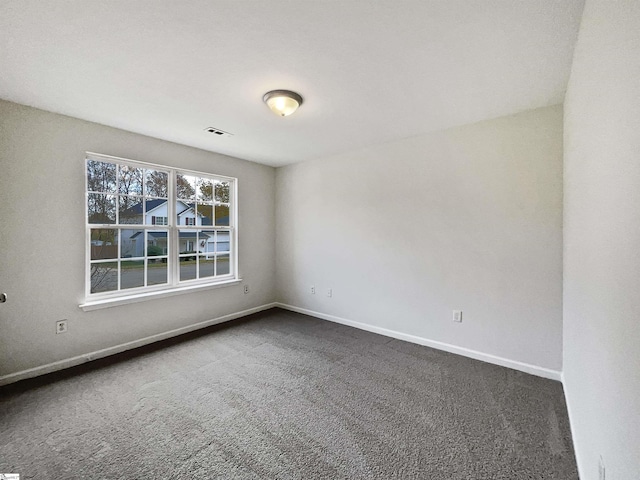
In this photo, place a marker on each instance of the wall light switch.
(457, 316)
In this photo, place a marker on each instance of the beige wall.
(602, 241)
(405, 232)
(42, 239)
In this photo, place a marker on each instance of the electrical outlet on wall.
(61, 326)
(246, 289)
(329, 292)
(457, 316)
(313, 289)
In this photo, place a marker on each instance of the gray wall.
(602, 241)
(42, 239)
(405, 232)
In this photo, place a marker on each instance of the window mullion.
(173, 260)
(116, 195)
(233, 233)
(119, 271)
(145, 262)
(87, 255)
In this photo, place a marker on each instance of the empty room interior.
(320, 239)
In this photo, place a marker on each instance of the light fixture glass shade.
(282, 102)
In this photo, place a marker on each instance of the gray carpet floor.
(280, 395)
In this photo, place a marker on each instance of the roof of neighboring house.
(151, 234)
(150, 205)
(190, 206)
(153, 204)
(158, 235)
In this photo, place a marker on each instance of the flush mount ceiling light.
(282, 102)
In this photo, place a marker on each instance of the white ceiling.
(370, 71)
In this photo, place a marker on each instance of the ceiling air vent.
(218, 132)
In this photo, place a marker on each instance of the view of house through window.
(151, 227)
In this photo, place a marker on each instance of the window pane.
(101, 177)
(186, 187)
(187, 241)
(157, 243)
(101, 208)
(130, 209)
(157, 271)
(205, 190)
(187, 214)
(205, 214)
(223, 266)
(187, 268)
(132, 274)
(157, 211)
(222, 215)
(157, 184)
(223, 241)
(104, 277)
(104, 244)
(130, 180)
(131, 243)
(206, 241)
(206, 266)
(222, 192)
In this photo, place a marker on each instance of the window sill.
(141, 297)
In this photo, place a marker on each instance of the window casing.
(135, 240)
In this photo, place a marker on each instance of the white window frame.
(174, 285)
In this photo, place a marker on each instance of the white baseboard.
(87, 357)
(466, 352)
(105, 352)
